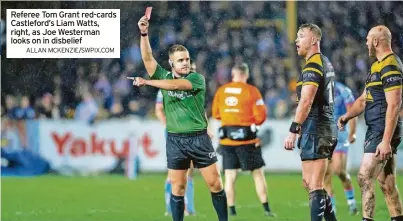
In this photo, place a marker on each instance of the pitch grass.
(115, 198)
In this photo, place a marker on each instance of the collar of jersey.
(313, 55)
(386, 57)
(174, 77)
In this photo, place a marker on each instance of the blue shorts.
(374, 138)
(314, 147)
(342, 143)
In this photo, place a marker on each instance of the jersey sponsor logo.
(233, 90)
(309, 75)
(231, 110)
(179, 94)
(369, 97)
(231, 101)
(393, 79)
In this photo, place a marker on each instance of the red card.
(148, 12)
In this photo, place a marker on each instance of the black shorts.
(314, 147)
(247, 157)
(183, 148)
(374, 138)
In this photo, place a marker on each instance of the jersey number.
(329, 88)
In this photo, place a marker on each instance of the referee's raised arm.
(146, 52)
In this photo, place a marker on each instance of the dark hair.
(243, 67)
(175, 48)
(313, 28)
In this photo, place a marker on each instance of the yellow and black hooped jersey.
(318, 71)
(385, 75)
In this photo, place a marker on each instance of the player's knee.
(305, 184)
(215, 185)
(178, 189)
(230, 176)
(341, 174)
(387, 187)
(230, 181)
(258, 173)
(363, 181)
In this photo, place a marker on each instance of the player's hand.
(290, 141)
(351, 138)
(137, 81)
(143, 24)
(383, 151)
(341, 122)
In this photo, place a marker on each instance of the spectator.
(44, 110)
(117, 110)
(254, 33)
(104, 87)
(10, 110)
(25, 111)
(87, 110)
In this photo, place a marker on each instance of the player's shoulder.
(195, 74)
(252, 88)
(315, 59)
(162, 70)
(391, 59)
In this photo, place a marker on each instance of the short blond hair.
(313, 28)
(243, 67)
(175, 48)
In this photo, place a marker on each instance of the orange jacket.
(238, 104)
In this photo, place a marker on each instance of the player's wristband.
(295, 128)
(144, 34)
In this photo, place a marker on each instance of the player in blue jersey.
(189, 195)
(343, 100)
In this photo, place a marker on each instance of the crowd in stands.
(218, 35)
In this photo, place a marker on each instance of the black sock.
(317, 202)
(266, 207)
(397, 218)
(220, 205)
(367, 219)
(329, 213)
(232, 210)
(177, 207)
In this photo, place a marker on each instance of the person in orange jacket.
(241, 109)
